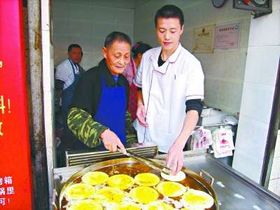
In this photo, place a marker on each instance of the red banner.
(15, 160)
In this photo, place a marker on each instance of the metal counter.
(234, 191)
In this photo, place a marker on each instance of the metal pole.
(39, 161)
(48, 90)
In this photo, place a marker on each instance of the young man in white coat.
(171, 89)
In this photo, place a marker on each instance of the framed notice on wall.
(203, 39)
(15, 161)
(227, 36)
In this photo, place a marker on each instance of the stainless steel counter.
(234, 191)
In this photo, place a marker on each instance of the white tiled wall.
(257, 98)
(88, 22)
(224, 69)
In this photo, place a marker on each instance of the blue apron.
(112, 108)
(67, 95)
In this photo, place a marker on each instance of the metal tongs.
(147, 161)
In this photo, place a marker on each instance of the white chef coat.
(165, 90)
(64, 72)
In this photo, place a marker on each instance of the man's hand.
(111, 141)
(175, 157)
(141, 115)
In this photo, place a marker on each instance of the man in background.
(67, 75)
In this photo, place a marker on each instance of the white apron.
(165, 91)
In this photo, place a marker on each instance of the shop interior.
(231, 86)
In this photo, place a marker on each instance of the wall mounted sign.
(227, 36)
(203, 41)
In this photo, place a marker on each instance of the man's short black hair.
(170, 11)
(71, 46)
(116, 36)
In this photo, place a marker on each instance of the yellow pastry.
(95, 178)
(158, 205)
(171, 189)
(197, 199)
(79, 191)
(109, 195)
(143, 194)
(85, 205)
(121, 181)
(129, 206)
(146, 179)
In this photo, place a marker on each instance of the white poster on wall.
(227, 36)
(204, 39)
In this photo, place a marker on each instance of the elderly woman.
(137, 51)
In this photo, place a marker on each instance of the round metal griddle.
(132, 167)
